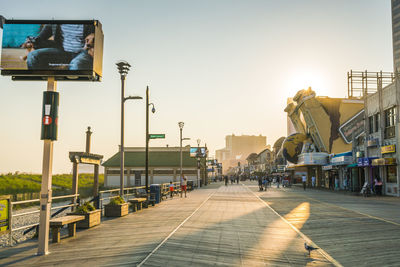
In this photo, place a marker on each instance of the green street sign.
(156, 136)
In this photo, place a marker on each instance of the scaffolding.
(362, 83)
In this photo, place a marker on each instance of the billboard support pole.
(45, 192)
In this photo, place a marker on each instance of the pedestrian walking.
(171, 188)
(378, 186)
(304, 180)
(313, 181)
(260, 183)
(183, 184)
(226, 180)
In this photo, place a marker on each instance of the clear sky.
(221, 66)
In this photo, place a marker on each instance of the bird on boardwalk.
(309, 248)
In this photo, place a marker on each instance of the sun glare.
(303, 79)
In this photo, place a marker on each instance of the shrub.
(117, 201)
(85, 208)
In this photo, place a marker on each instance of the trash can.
(156, 189)
(190, 185)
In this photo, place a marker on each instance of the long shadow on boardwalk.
(347, 236)
(228, 230)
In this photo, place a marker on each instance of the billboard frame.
(63, 75)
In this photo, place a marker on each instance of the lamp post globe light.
(123, 69)
(148, 137)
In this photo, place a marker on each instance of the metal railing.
(105, 195)
(165, 188)
(15, 203)
(113, 193)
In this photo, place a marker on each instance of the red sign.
(47, 120)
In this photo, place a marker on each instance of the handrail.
(33, 212)
(125, 189)
(26, 226)
(25, 201)
(26, 213)
(68, 196)
(37, 200)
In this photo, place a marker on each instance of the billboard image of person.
(51, 48)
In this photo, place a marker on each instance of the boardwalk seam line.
(306, 238)
(176, 229)
(347, 209)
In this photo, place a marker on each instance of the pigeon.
(309, 248)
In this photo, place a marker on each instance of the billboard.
(198, 152)
(67, 50)
(354, 127)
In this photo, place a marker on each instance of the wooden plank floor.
(220, 226)
(356, 231)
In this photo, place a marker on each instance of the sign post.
(5, 215)
(45, 192)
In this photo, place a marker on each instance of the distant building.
(164, 166)
(396, 33)
(238, 148)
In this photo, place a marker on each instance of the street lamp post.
(198, 163)
(181, 123)
(123, 68)
(147, 137)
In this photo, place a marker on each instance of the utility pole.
(47, 175)
(148, 136)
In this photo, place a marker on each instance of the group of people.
(183, 186)
(266, 181)
(232, 178)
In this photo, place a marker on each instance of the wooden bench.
(138, 202)
(57, 223)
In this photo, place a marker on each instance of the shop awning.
(342, 158)
(383, 161)
(352, 165)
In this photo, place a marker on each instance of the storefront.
(366, 167)
(388, 172)
(329, 173)
(341, 161)
(354, 177)
(313, 163)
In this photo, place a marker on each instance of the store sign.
(384, 161)
(327, 167)
(281, 167)
(388, 149)
(5, 213)
(353, 127)
(315, 158)
(364, 162)
(90, 161)
(342, 160)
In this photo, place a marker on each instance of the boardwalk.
(233, 226)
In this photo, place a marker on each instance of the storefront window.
(391, 174)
